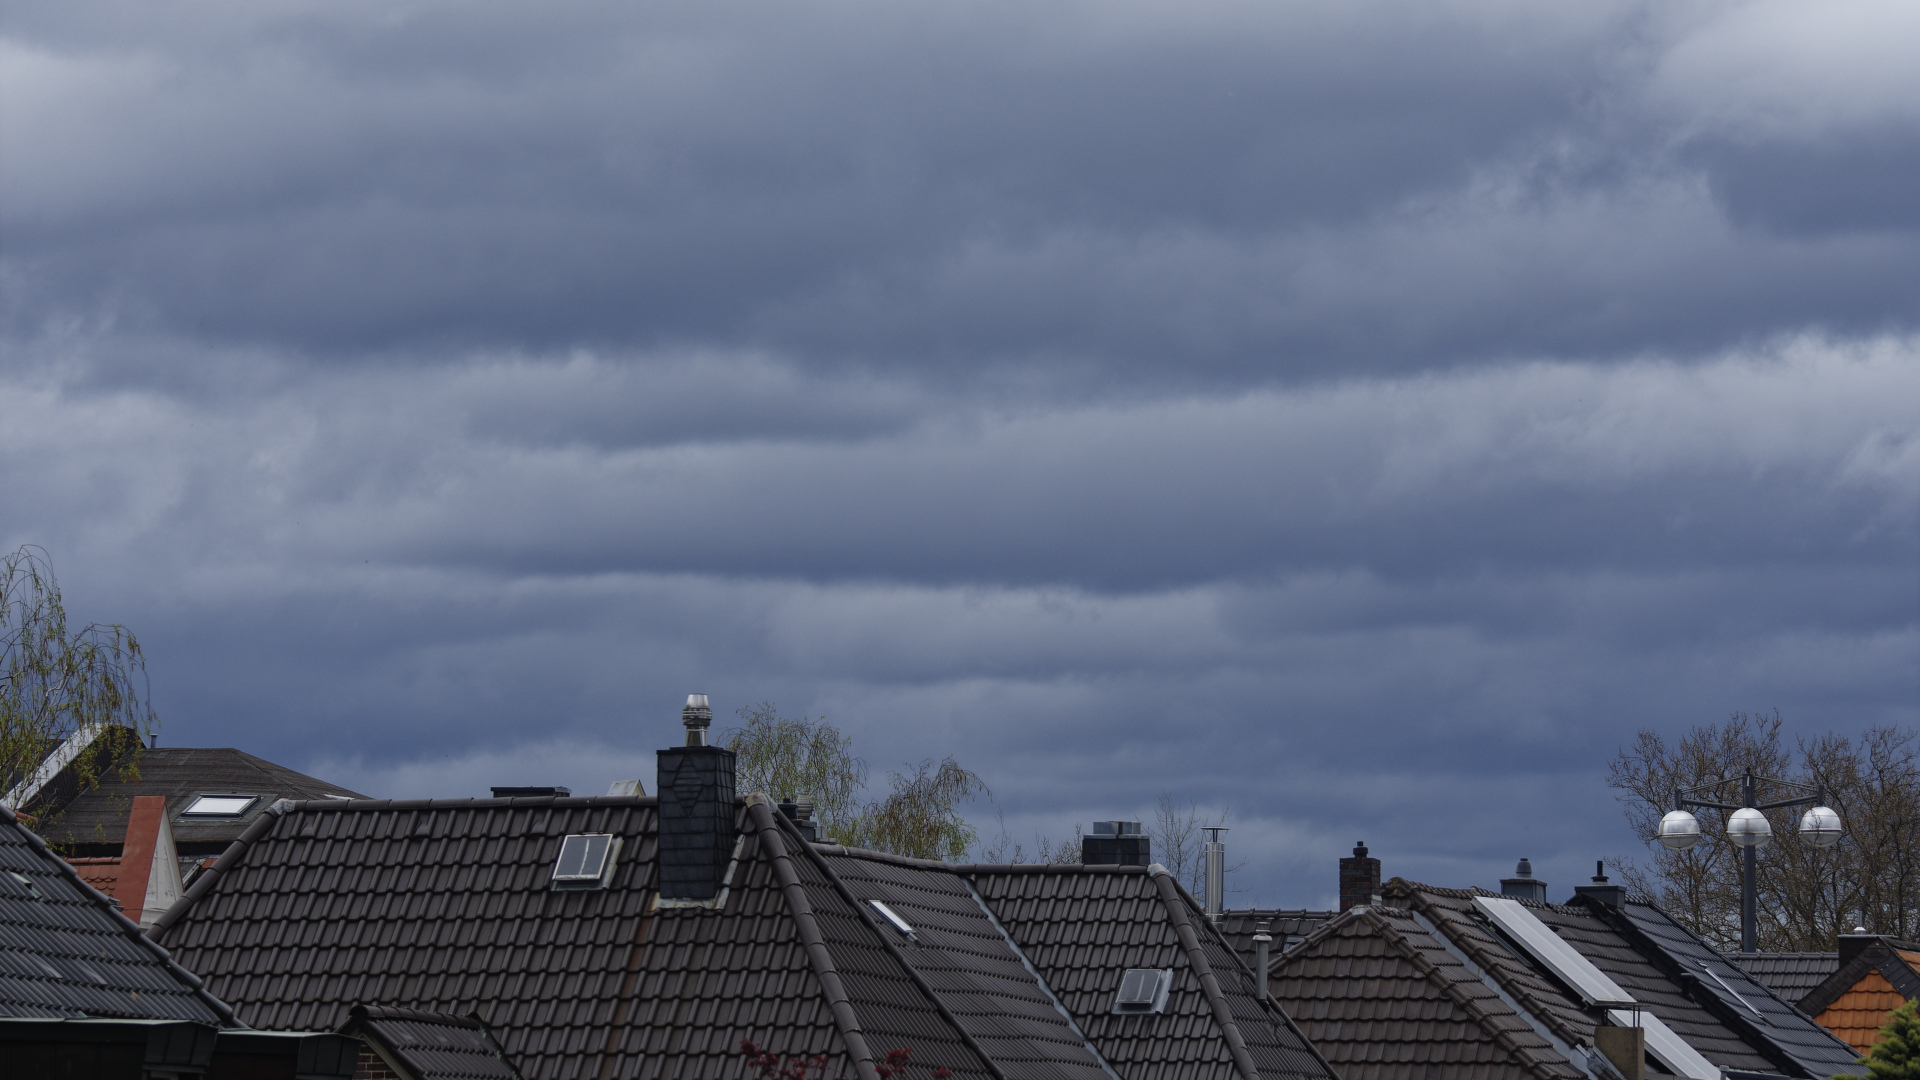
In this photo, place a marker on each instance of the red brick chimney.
(1359, 879)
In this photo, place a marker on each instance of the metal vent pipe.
(1216, 867)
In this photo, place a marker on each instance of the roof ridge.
(203, 882)
(468, 803)
(1396, 939)
(839, 1004)
(886, 940)
(1172, 898)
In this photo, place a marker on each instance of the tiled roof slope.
(1285, 925)
(446, 906)
(1783, 1033)
(432, 1046)
(64, 951)
(968, 964)
(1791, 975)
(433, 905)
(1384, 1000)
(1858, 1014)
(1650, 958)
(1082, 927)
(98, 817)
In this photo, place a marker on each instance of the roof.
(1765, 1019)
(1287, 926)
(1383, 999)
(67, 953)
(1432, 981)
(1791, 974)
(445, 906)
(1854, 1001)
(98, 817)
(431, 1046)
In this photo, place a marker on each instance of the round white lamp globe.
(1820, 826)
(1748, 828)
(1679, 830)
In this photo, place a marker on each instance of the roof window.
(1143, 991)
(586, 861)
(220, 806)
(894, 918)
(26, 883)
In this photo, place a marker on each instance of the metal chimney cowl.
(1523, 884)
(696, 786)
(1116, 843)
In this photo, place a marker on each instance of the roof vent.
(1602, 890)
(1116, 843)
(1523, 884)
(531, 792)
(1143, 991)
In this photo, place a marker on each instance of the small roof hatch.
(220, 806)
(1143, 991)
(894, 918)
(586, 861)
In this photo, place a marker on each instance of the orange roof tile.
(1859, 1013)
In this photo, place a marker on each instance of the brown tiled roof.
(1854, 1001)
(1791, 975)
(95, 822)
(64, 951)
(432, 1046)
(1384, 1000)
(446, 906)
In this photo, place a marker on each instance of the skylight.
(220, 806)
(893, 917)
(586, 861)
(1143, 991)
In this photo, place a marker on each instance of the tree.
(1179, 841)
(790, 758)
(1806, 895)
(55, 682)
(1897, 1055)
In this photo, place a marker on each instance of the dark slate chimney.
(1116, 843)
(800, 812)
(1610, 895)
(695, 782)
(1852, 945)
(1523, 884)
(1359, 879)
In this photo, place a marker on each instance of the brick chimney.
(1359, 879)
(695, 782)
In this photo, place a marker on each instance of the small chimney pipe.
(1262, 957)
(1523, 884)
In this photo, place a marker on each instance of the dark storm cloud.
(1260, 192)
(1363, 418)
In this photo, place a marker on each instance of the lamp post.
(1749, 831)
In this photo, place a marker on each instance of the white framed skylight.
(1143, 991)
(894, 919)
(219, 806)
(586, 861)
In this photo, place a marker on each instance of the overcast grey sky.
(1361, 416)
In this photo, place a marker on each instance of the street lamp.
(1749, 831)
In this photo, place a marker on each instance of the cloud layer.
(1361, 418)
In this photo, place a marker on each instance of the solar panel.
(220, 805)
(894, 918)
(1143, 990)
(1546, 947)
(586, 861)
(1667, 1048)
(1594, 987)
